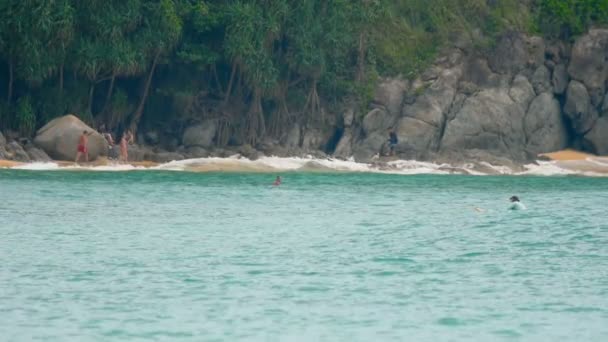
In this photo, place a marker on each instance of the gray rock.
(544, 125)
(196, 152)
(389, 93)
(597, 137)
(344, 149)
(349, 117)
(16, 152)
(2, 140)
(478, 72)
(377, 120)
(136, 153)
(522, 91)
(314, 139)
(37, 154)
(166, 157)
(510, 55)
(535, 48)
(59, 139)
(151, 137)
(560, 79)
(541, 80)
(249, 152)
(588, 62)
(201, 134)
(604, 107)
(596, 96)
(369, 147)
(292, 139)
(578, 108)
(490, 120)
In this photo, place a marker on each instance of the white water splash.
(590, 167)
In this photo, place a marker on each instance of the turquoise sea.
(162, 256)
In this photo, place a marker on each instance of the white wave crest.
(592, 167)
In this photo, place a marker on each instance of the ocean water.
(162, 255)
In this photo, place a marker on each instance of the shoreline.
(566, 162)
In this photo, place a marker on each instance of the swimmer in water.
(516, 204)
(277, 181)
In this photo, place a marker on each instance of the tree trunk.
(140, 108)
(91, 93)
(218, 84)
(230, 83)
(61, 79)
(110, 90)
(361, 58)
(10, 83)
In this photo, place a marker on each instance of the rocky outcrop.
(201, 134)
(37, 154)
(524, 98)
(59, 139)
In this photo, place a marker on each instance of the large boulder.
(578, 108)
(59, 139)
(544, 125)
(489, 120)
(522, 91)
(420, 127)
(344, 149)
(390, 93)
(597, 138)
(201, 134)
(588, 62)
(541, 80)
(377, 120)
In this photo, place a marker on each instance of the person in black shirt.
(392, 142)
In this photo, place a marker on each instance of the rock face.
(578, 108)
(490, 120)
(588, 62)
(597, 138)
(524, 98)
(59, 139)
(390, 94)
(201, 134)
(544, 125)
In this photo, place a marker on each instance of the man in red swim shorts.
(83, 141)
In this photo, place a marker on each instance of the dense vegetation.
(254, 65)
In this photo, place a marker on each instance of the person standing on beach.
(392, 142)
(83, 143)
(127, 138)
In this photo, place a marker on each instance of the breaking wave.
(593, 167)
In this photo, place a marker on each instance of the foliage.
(263, 64)
(25, 116)
(566, 18)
